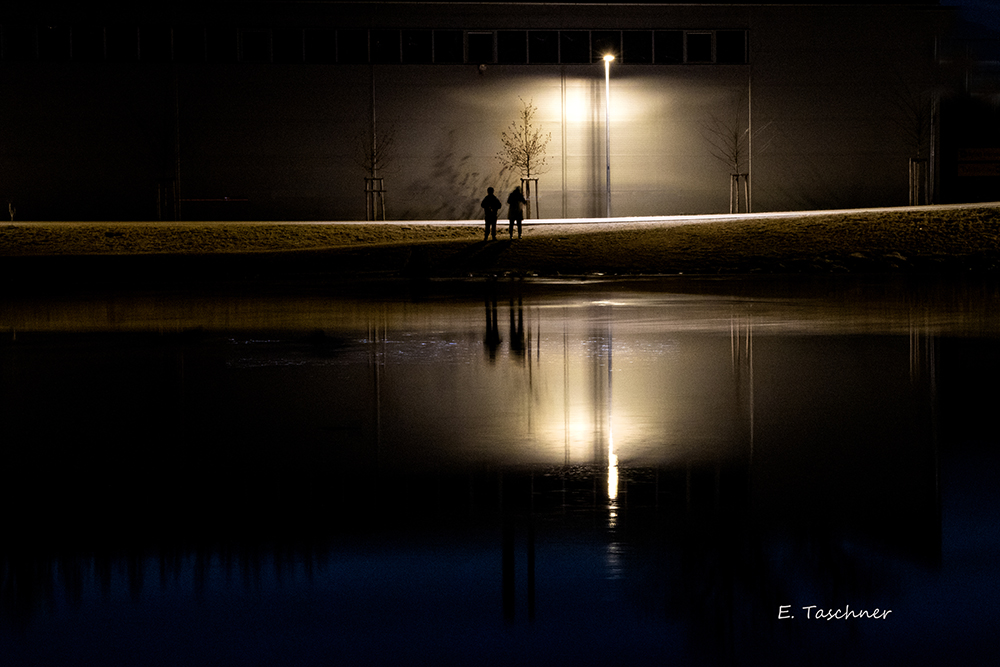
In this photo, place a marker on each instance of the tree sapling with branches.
(524, 148)
(729, 142)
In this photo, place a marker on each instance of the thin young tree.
(729, 137)
(915, 101)
(524, 147)
(374, 152)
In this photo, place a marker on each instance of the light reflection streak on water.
(613, 555)
(612, 468)
(553, 409)
(668, 374)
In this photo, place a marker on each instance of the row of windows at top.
(226, 45)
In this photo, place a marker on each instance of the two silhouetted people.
(515, 212)
(491, 205)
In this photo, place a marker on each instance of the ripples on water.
(627, 472)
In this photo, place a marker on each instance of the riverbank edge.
(927, 242)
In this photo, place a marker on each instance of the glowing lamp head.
(608, 58)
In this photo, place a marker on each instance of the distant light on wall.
(578, 104)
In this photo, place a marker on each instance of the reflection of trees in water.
(683, 544)
(695, 553)
(741, 350)
(713, 569)
(33, 582)
(492, 338)
(518, 342)
(728, 582)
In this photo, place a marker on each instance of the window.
(197, 44)
(637, 46)
(19, 43)
(385, 46)
(189, 45)
(255, 46)
(480, 47)
(448, 46)
(512, 47)
(222, 45)
(122, 44)
(606, 43)
(731, 46)
(418, 46)
(88, 44)
(155, 44)
(320, 46)
(699, 47)
(54, 44)
(668, 47)
(574, 46)
(543, 46)
(287, 45)
(352, 46)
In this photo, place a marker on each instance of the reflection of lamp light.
(612, 457)
(612, 468)
(607, 124)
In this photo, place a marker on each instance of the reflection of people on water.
(517, 344)
(492, 340)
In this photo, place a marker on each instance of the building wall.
(86, 138)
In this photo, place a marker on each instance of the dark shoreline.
(127, 280)
(926, 245)
(443, 261)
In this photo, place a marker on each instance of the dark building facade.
(268, 110)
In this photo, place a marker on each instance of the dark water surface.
(503, 473)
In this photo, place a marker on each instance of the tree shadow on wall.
(454, 188)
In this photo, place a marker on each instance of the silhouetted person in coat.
(515, 211)
(491, 205)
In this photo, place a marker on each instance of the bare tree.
(915, 101)
(729, 136)
(374, 153)
(913, 117)
(375, 150)
(524, 148)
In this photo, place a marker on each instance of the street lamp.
(607, 125)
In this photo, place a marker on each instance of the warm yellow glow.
(608, 58)
(579, 104)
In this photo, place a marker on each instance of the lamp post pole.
(607, 126)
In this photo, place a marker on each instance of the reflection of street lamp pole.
(612, 457)
(607, 124)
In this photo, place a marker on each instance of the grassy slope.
(926, 241)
